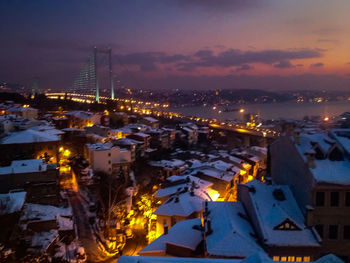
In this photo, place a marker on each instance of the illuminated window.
(275, 258)
(283, 258)
(287, 225)
(291, 258)
(299, 259)
(306, 259)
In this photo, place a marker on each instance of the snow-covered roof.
(24, 166)
(275, 205)
(342, 136)
(37, 212)
(47, 129)
(29, 136)
(183, 204)
(100, 146)
(232, 234)
(150, 119)
(178, 183)
(214, 173)
(80, 114)
(11, 202)
(64, 222)
(173, 163)
(182, 234)
(325, 170)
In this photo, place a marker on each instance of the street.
(85, 233)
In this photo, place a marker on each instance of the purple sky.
(166, 44)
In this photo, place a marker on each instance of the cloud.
(244, 67)
(284, 64)
(206, 58)
(147, 61)
(236, 57)
(317, 65)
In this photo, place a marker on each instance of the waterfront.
(287, 110)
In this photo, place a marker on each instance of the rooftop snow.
(11, 202)
(232, 234)
(24, 166)
(29, 136)
(175, 237)
(172, 189)
(185, 206)
(271, 212)
(150, 119)
(335, 172)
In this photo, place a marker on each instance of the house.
(173, 243)
(24, 111)
(230, 232)
(142, 137)
(316, 166)
(108, 158)
(184, 204)
(82, 119)
(189, 132)
(169, 167)
(11, 205)
(28, 174)
(278, 222)
(150, 121)
(29, 144)
(174, 184)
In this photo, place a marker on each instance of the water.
(286, 110)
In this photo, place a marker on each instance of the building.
(278, 222)
(108, 158)
(30, 144)
(82, 119)
(228, 232)
(152, 122)
(187, 203)
(173, 243)
(11, 205)
(24, 111)
(316, 166)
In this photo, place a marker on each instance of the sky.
(184, 44)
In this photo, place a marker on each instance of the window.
(283, 258)
(291, 258)
(334, 198)
(320, 198)
(109, 154)
(346, 233)
(319, 229)
(333, 232)
(287, 225)
(299, 259)
(347, 198)
(109, 162)
(276, 258)
(306, 259)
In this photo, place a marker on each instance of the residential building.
(108, 158)
(316, 166)
(278, 222)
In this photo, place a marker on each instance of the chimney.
(310, 159)
(166, 229)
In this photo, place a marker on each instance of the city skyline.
(181, 44)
